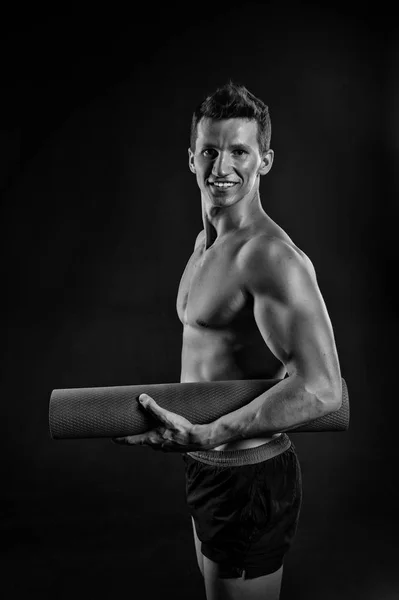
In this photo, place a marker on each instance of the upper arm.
(291, 314)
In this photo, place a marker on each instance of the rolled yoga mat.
(114, 411)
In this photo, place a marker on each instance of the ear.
(191, 160)
(267, 161)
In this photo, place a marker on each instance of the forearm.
(286, 405)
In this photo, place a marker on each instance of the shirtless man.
(251, 309)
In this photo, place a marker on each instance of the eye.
(239, 152)
(209, 153)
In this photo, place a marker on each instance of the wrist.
(203, 436)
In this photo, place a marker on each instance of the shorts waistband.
(249, 456)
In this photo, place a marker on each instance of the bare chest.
(210, 292)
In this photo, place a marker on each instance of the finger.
(134, 440)
(128, 441)
(154, 409)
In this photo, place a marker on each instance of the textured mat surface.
(114, 411)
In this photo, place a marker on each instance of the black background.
(99, 215)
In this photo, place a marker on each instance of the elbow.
(328, 394)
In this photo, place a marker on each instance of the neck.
(219, 221)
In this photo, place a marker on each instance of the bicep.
(292, 317)
(299, 337)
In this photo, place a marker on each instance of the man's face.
(227, 160)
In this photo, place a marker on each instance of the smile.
(224, 184)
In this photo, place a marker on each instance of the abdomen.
(216, 355)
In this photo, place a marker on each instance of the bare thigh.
(266, 587)
(200, 556)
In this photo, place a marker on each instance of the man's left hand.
(174, 433)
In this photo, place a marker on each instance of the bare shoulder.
(199, 239)
(273, 251)
(275, 262)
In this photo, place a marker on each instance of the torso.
(221, 340)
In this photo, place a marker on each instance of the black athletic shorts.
(245, 516)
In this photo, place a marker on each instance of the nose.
(221, 165)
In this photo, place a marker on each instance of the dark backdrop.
(99, 215)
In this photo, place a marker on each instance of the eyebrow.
(240, 146)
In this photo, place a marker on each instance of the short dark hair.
(231, 101)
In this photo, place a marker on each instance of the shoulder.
(272, 251)
(199, 239)
(276, 263)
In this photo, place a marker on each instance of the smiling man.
(251, 309)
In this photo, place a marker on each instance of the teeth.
(224, 184)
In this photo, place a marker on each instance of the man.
(251, 309)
